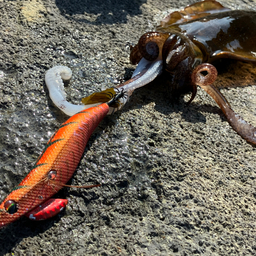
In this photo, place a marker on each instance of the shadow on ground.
(105, 12)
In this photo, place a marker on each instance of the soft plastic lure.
(54, 78)
(184, 46)
(53, 169)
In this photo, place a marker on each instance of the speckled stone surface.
(176, 180)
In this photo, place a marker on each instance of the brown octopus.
(184, 45)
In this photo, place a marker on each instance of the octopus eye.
(11, 206)
(52, 174)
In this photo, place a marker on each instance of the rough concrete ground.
(176, 180)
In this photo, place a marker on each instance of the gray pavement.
(176, 180)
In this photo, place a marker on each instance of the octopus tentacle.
(151, 43)
(194, 92)
(204, 74)
(244, 129)
(135, 55)
(174, 51)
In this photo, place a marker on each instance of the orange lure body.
(55, 166)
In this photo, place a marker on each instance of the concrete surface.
(176, 180)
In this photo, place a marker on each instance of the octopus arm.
(244, 129)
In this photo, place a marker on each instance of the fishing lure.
(183, 47)
(54, 78)
(54, 168)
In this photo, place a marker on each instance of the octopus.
(184, 46)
